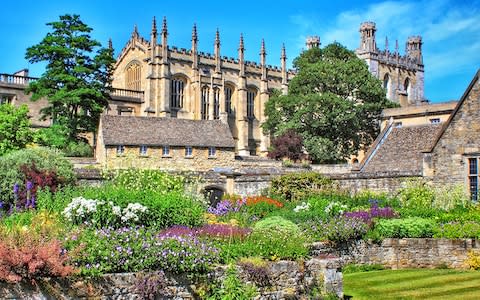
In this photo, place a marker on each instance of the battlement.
(368, 25)
(395, 59)
(313, 42)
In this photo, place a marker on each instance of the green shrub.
(78, 149)
(416, 195)
(449, 197)
(457, 230)
(44, 159)
(276, 223)
(354, 268)
(232, 288)
(405, 228)
(296, 186)
(338, 229)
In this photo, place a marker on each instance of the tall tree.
(333, 102)
(77, 77)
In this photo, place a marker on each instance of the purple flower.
(16, 188)
(32, 202)
(29, 185)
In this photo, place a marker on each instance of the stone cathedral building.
(164, 81)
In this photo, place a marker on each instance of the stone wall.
(404, 253)
(388, 182)
(176, 160)
(289, 280)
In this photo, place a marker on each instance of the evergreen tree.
(77, 80)
(333, 102)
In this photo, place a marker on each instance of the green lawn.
(413, 284)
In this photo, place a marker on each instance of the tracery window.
(177, 93)
(216, 104)
(133, 76)
(204, 103)
(228, 99)
(251, 104)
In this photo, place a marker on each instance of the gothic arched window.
(133, 75)
(204, 103)
(386, 84)
(251, 103)
(228, 99)
(216, 104)
(177, 93)
(406, 85)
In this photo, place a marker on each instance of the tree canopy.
(15, 131)
(76, 81)
(333, 102)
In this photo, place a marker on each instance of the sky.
(450, 29)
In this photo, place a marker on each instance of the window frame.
(143, 150)
(120, 150)
(188, 151)
(166, 151)
(435, 121)
(212, 152)
(473, 177)
(251, 95)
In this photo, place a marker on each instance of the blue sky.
(450, 29)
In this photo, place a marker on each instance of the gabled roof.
(156, 131)
(454, 113)
(400, 149)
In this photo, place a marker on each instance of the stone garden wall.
(289, 280)
(404, 253)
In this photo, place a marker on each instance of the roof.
(454, 113)
(429, 109)
(156, 131)
(400, 149)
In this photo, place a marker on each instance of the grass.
(413, 284)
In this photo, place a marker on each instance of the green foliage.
(299, 185)
(333, 103)
(276, 223)
(405, 228)
(44, 160)
(416, 195)
(77, 78)
(15, 131)
(457, 230)
(232, 288)
(132, 249)
(338, 229)
(78, 149)
(148, 180)
(354, 268)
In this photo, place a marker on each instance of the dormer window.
(166, 150)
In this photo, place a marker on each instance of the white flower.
(130, 213)
(303, 206)
(80, 207)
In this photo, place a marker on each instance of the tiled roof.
(155, 131)
(401, 149)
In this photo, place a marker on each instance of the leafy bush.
(15, 130)
(261, 206)
(354, 268)
(276, 223)
(132, 249)
(299, 185)
(457, 230)
(337, 229)
(288, 145)
(44, 160)
(78, 149)
(416, 195)
(148, 180)
(449, 197)
(473, 260)
(32, 260)
(151, 285)
(232, 288)
(405, 228)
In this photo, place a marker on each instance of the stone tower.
(313, 42)
(402, 75)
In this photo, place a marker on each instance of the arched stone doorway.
(214, 194)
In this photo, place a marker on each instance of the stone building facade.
(164, 143)
(188, 84)
(454, 156)
(402, 75)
